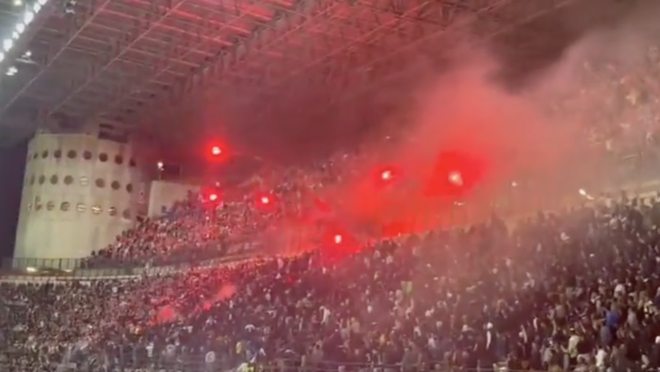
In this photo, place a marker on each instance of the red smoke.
(170, 312)
(454, 174)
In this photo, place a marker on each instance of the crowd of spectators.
(573, 289)
(198, 229)
(577, 289)
(195, 230)
(619, 101)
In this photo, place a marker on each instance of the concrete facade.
(79, 193)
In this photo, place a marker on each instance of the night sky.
(12, 168)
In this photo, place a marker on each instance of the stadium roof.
(120, 62)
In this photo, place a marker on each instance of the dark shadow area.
(12, 168)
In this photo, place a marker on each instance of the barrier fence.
(210, 361)
(540, 189)
(348, 367)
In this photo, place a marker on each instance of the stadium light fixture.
(7, 44)
(28, 15)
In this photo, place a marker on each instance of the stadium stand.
(573, 289)
(624, 133)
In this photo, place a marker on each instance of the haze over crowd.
(540, 130)
(573, 288)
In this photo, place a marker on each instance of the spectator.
(470, 298)
(572, 290)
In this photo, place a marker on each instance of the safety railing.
(347, 367)
(96, 264)
(38, 273)
(212, 361)
(541, 190)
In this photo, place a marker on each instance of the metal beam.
(379, 80)
(141, 85)
(413, 16)
(361, 60)
(49, 61)
(404, 20)
(97, 71)
(393, 65)
(259, 41)
(453, 11)
(147, 53)
(381, 70)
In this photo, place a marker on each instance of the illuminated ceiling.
(121, 63)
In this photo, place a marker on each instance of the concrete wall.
(163, 194)
(79, 193)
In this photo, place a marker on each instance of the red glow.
(340, 243)
(322, 206)
(265, 202)
(454, 174)
(217, 152)
(456, 178)
(387, 176)
(396, 229)
(211, 195)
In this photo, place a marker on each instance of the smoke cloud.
(540, 132)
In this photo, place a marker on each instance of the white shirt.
(573, 342)
(601, 355)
